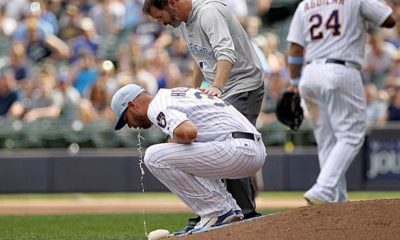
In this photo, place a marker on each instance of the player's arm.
(377, 12)
(197, 76)
(295, 60)
(224, 68)
(185, 133)
(216, 28)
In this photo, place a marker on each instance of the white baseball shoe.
(314, 197)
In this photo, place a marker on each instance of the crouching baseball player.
(211, 140)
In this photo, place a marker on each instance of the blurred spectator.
(179, 54)
(97, 105)
(38, 43)
(166, 72)
(258, 7)
(85, 72)
(69, 23)
(253, 26)
(276, 59)
(45, 15)
(7, 28)
(19, 64)
(56, 6)
(108, 16)
(394, 33)
(15, 8)
(277, 81)
(377, 60)
(134, 14)
(109, 19)
(87, 40)
(238, 8)
(393, 111)
(10, 102)
(71, 97)
(393, 76)
(101, 101)
(132, 67)
(43, 100)
(32, 10)
(274, 88)
(376, 106)
(136, 73)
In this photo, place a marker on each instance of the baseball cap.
(119, 102)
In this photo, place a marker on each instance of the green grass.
(89, 227)
(117, 226)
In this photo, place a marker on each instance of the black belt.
(245, 135)
(336, 61)
(332, 60)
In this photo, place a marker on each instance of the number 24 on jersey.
(319, 25)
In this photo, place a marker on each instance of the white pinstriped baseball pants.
(334, 97)
(193, 171)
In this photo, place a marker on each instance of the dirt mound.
(376, 219)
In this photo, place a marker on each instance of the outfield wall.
(117, 170)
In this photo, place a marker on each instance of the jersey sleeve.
(296, 33)
(375, 11)
(166, 119)
(214, 25)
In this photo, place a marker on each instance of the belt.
(245, 135)
(336, 61)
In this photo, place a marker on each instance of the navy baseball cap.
(120, 100)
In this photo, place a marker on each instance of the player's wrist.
(295, 81)
(295, 60)
(219, 89)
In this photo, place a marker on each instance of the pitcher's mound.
(375, 219)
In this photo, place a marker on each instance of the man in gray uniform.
(225, 58)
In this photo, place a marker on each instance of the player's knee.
(150, 156)
(355, 140)
(360, 142)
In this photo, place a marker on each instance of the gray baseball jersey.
(193, 171)
(333, 35)
(213, 33)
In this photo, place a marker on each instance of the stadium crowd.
(63, 59)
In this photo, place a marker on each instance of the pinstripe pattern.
(213, 122)
(193, 171)
(334, 97)
(333, 93)
(349, 45)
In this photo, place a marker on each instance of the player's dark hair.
(159, 4)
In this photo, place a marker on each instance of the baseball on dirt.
(158, 234)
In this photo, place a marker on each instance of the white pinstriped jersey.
(214, 118)
(335, 28)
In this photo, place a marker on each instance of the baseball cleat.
(252, 215)
(208, 222)
(189, 227)
(239, 214)
(313, 200)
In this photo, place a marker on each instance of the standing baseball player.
(225, 57)
(211, 141)
(331, 33)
